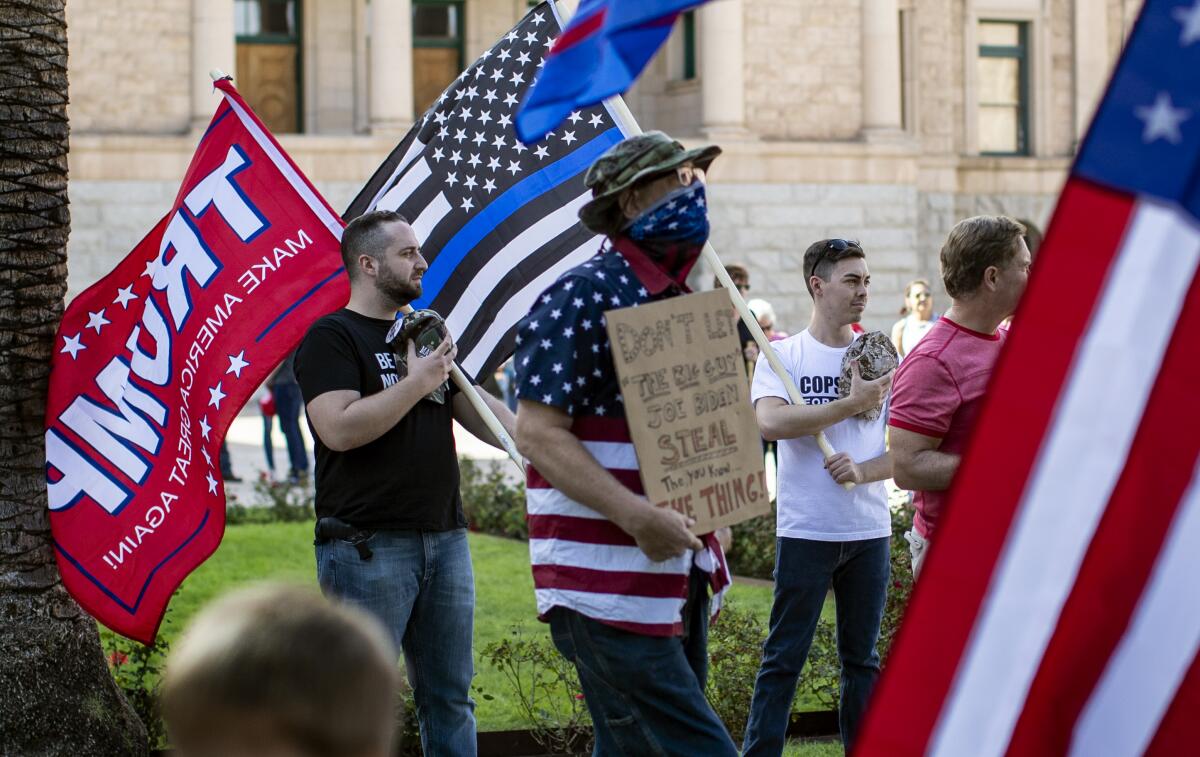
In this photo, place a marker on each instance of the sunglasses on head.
(831, 245)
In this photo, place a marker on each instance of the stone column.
(212, 47)
(881, 67)
(390, 69)
(1091, 60)
(722, 64)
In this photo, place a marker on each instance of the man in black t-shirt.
(391, 535)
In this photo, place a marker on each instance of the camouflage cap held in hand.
(628, 162)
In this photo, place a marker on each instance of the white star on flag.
(237, 363)
(215, 395)
(574, 117)
(149, 271)
(97, 321)
(73, 346)
(207, 457)
(124, 295)
(541, 151)
(1190, 18)
(1162, 120)
(596, 120)
(204, 427)
(212, 483)
(467, 203)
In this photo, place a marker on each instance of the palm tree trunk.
(56, 694)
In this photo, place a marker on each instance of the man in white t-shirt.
(827, 536)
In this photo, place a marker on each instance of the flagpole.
(616, 104)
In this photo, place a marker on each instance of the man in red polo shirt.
(624, 585)
(940, 385)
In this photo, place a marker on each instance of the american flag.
(497, 218)
(1059, 611)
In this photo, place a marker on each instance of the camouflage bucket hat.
(628, 162)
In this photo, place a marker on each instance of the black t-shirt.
(406, 479)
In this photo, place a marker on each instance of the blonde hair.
(277, 665)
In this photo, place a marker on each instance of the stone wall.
(803, 69)
(129, 68)
(330, 48)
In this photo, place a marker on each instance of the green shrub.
(274, 502)
(137, 670)
(753, 552)
(491, 503)
(546, 688)
(734, 653)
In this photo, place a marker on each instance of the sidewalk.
(249, 462)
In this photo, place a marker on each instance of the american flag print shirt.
(581, 560)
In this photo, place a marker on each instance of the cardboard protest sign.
(687, 401)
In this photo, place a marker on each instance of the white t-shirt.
(811, 504)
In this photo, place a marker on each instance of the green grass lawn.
(503, 590)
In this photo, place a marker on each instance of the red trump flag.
(152, 363)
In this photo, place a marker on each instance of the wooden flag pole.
(472, 393)
(566, 9)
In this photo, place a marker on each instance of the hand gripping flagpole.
(470, 390)
(473, 394)
(621, 111)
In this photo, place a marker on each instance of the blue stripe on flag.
(505, 205)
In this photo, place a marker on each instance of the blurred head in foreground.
(278, 670)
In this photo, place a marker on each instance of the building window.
(437, 49)
(1003, 86)
(268, 60)
(680, 48)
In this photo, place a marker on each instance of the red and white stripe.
(1058, 611)
(584, 562)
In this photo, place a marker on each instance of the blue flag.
(600, 54)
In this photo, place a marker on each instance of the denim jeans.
(804, 571)
(421, 585)
(268, 442)
(287, 407)
(646, 693)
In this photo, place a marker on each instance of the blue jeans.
(804, 571)
(287, 407)
(646, 693)
(421, 585)
(268, 442)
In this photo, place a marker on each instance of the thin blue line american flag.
(497, 219)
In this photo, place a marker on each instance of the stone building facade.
(881, 120)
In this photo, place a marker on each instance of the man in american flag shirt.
(624, 585)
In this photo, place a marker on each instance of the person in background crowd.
(765, 314)
(940, 384)
(916, 316)
(280, 671)
(266, 405)
(390, 534)
(740, 276)
(827, 537)
(624, 584)
(286, 393)
(226, 464)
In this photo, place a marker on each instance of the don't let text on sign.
(688, 406)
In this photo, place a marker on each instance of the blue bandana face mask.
(681, 216)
